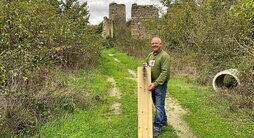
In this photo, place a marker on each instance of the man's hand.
(144, 65)
(151, 87)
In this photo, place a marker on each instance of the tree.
(75, 10)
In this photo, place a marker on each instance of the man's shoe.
(156, 132)
(165, 123)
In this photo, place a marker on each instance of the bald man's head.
(157, 39)
(156, 44)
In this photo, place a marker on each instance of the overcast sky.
(99, 8)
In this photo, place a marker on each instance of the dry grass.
(240, 97)
(134, 47)
(183, 65)
(44, 94)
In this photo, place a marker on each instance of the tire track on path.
(114, 92)
(174, 112)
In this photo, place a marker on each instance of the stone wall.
(140, 14)
(107, 28)
(115, 25)
(117, 13)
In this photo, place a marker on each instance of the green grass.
(97, 120)
(208, 115)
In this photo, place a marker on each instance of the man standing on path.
(159, 61)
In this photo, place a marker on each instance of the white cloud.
(99, 8)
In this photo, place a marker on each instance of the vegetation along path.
(111, 91)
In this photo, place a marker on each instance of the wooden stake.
(145, 126)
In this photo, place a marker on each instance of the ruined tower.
(107, 28)
(117, 13)
(140, 14)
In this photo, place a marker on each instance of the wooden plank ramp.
(145, 126)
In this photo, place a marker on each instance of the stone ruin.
(107, 28)
(117, 13)
(139, 15)
(115, 25)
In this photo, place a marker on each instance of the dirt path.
(115, 59)
(114, 92)
(173, 109)
(174, 112)
(133, 73)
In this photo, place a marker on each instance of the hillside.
(193, 110)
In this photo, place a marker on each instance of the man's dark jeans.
(159, 95)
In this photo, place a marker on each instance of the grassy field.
(98, 120)
(207, 114)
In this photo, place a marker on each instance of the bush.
(36, 38)
(134, 47)
(214, 36)
(209, 31)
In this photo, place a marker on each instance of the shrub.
(36, 38)
(215, 36)
(134, 47)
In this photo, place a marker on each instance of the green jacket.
(160, 67)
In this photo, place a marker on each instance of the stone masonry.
(107, 28)
(140, 14)
(117, 13)
(115, 25)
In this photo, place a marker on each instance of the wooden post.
(145, 126)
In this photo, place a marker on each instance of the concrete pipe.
(219, 79)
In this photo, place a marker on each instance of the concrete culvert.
(227, 79)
